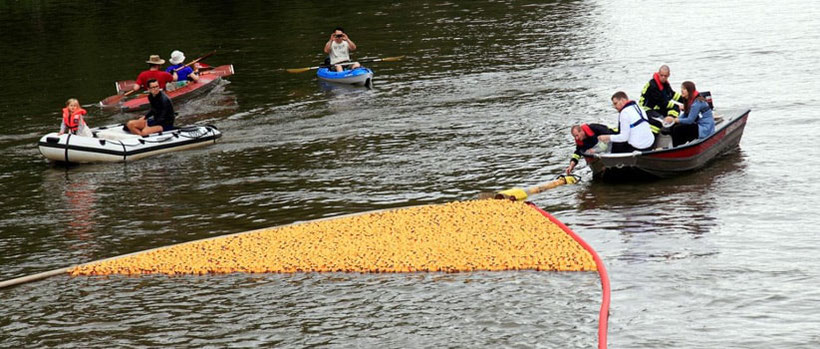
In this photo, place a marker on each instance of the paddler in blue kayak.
(338, 49)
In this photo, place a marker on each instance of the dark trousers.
(684, 133)
(654, 118)
(625, 147)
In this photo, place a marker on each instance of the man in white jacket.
(633, 128)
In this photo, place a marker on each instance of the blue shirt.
(182, 74)
(706, 123)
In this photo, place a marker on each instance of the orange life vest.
(73, 121)
(588, 131)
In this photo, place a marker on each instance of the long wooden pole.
(33, 277)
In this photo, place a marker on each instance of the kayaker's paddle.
(194, 61)
(519, 194)
(220, 70)
(109, 101)
(386, 59)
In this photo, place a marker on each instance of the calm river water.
(722, 258)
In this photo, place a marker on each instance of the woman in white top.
(633, 128)
(338, 49)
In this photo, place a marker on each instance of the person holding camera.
(338, 49)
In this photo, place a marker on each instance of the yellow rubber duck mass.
(452, 237)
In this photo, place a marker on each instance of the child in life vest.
(73, 119)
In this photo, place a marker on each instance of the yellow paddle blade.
(298, 70)
(392, 59)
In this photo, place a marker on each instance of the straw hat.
(154, 59)
(177, 57)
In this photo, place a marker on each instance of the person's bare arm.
(350, 45)
(327, 45)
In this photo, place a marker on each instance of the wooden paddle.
(519, 194)
(220, 70)
(109, 101)
(386, 59)
(196, 60)
(125, 85)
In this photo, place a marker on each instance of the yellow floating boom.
(520, 194)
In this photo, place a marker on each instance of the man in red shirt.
(154, 72)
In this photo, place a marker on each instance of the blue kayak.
(358, 76)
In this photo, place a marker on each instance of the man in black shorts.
(160, 118)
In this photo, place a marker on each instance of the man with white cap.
(184, 74)
(153, 72)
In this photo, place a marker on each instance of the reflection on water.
(332, 309)
(661, 219)
(341, 89)
(79, 200)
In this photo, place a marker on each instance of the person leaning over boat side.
(586, 140)
(73, 121)
(185, 74)
(658, 99)
(153, 73)
(338, 49)
(159, 118)
(696, 120)
(633, 129)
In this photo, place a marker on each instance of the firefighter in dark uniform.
(586, 138)
(658, 99)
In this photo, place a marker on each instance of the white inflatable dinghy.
(113, 144)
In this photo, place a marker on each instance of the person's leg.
(338, 68)
(655, 120)
(134, 126)
(683, 133)
(691, 132)
(622, 147)
(150, 129)
(356, 65)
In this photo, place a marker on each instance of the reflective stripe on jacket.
(660, 97)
